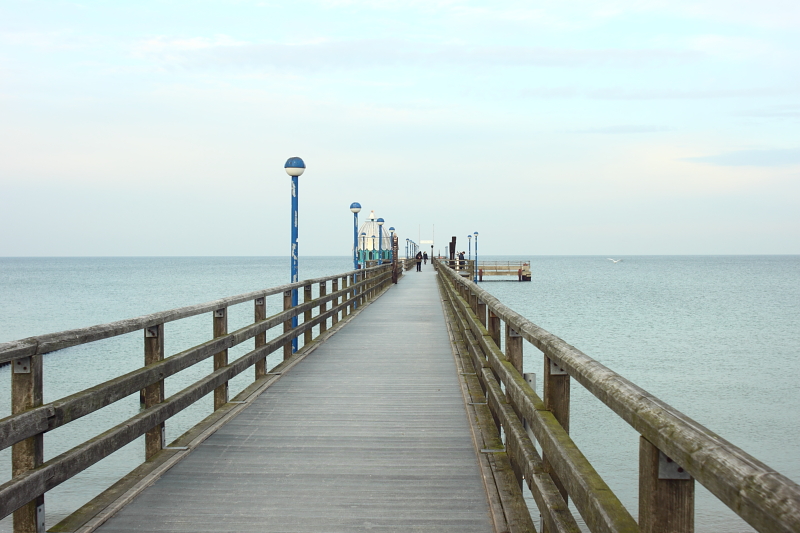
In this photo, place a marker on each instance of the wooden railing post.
(287, 325)
(260, 313)
(26, 393)
(308, 334)
(347, 295)
(481, 312)
(666, 493)
(335, 301)
(154, 394)
(513, 352)
(323, 290)
(221, 358)
(556, 400)
(494, 327)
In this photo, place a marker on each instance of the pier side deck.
(369, 432)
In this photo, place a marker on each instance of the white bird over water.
(614, 260)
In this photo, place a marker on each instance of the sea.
(717, 337)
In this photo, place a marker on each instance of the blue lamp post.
(355, 207)
(391, 245)
(294, 167)
(372, 251)
(475, 270)
(380, 241)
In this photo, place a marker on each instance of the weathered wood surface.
(52, 415)
(368, 433)
(56, 341)
(766, 499)
(598, 505)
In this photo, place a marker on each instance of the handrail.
(766, 499)
(25, 428)
(51, 342)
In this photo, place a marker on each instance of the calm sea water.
(716, 337)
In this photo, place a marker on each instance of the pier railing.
(30, 419)
(674, 450)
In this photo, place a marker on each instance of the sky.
(611, 127)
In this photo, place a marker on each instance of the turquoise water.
(717, 337)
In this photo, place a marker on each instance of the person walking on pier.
(461, 261)
(419, 261)
(425, 258)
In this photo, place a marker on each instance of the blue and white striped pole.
(355, 207)
(380, 241)
(294, 167)
(475, 271)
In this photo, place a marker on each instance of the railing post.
(481, 312)
(556, 400)
(666, 493)
(154, 394)
(260, 309)
(308, 334)
(221, 358)
(494, 327)
(335, 301)
(347, 296)
(513, 352)
(26, 393)
(323, 291)
(287, 325)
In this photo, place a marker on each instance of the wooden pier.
(399, 412)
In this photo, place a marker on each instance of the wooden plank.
(772, 503)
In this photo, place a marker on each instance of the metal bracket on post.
(22, 365)
(259, 301)
(151, 332)
(556, 370)
(669, 469)
(40, 519)
(219, 313)
(512, 333)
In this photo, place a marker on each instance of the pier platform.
(368, 433)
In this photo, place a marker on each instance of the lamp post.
(475, 270)
(363, 246)
(372, 251)
(294, 167)
(469, 239)
(391, 245)
(380, 241)
(355, 207)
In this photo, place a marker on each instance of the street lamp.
(469, 239)
(380, 241)
(294, 167)
(391, 245)
(363, 246)
(355, 207)
(475, 270)
(372, 251)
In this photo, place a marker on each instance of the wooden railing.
(30, 419)
(674, 450)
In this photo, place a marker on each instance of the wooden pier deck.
(369, 432)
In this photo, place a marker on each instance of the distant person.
(425, 257)
(419, 261)
(461, 261)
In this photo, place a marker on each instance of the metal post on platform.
(380, 241)
(391, 248)
(295, 168)
(475, 268)
(469, 240)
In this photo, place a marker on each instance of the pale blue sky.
(614, 127)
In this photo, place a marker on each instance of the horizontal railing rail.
(30, 419)
(674, 449)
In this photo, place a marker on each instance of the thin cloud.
(370, 53)
(752, 158)
(620, 93)
(622, 129)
